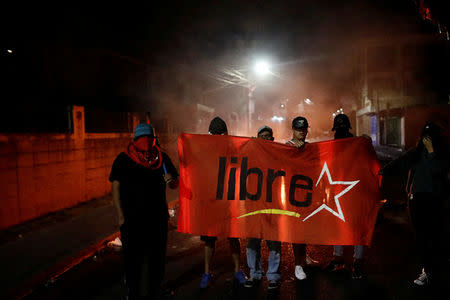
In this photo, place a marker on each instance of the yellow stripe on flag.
(272, 211)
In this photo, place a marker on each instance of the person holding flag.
(341, 127)
(139, 176)
(219, 127)
(299, 132)
(254, 245)
(229, 184)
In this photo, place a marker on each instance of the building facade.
(401, 83)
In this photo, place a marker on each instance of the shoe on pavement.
(299, 273)
(423, 279)
(310, 261)
(251, 282)
(335, 265)
(206, 279)
(357, 270)
(273, 285)
(240, 277)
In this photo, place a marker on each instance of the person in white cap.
(299, 132)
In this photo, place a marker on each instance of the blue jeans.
(358, 254)
(254, 259)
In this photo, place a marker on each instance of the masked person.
(139, 176)
(219, 127)
(254, 245)
(341, 127)
(427, 188)
(299, 132)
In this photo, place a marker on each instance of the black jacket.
(427, 173)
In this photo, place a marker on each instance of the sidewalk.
(36, 252)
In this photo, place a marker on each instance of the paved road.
(391, 267)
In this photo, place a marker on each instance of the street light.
(262, 68)
(247, 77)
(277, 118)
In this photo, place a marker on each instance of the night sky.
(60, 49)
(196, 30)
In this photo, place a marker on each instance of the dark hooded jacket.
(427, 172)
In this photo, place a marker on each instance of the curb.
(52, 274)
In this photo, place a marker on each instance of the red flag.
(324, 193)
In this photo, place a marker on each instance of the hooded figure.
(217, 126)
(427, 166)
(341, 126)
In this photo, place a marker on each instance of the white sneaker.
(423, 279)
(299, 273)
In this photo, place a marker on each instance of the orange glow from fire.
(283, 193)
(327, 192)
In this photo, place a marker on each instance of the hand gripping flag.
(324, 193)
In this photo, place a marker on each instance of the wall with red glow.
(44, 173)
(416, 117)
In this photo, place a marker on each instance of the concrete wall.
(42, 173)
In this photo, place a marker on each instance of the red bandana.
(145, 152)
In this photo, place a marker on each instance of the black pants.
(144, 254)
(426, 216)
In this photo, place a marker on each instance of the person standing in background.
(427, 166)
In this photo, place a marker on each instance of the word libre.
(297, 181)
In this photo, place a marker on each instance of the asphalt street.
(391, 267)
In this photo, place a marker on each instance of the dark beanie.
(217, 126)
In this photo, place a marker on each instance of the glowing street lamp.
(250, 77)
(262, 68)
(277, 118)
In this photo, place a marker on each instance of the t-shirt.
(291, 143)
(142, 190)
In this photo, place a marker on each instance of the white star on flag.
(339, 212)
